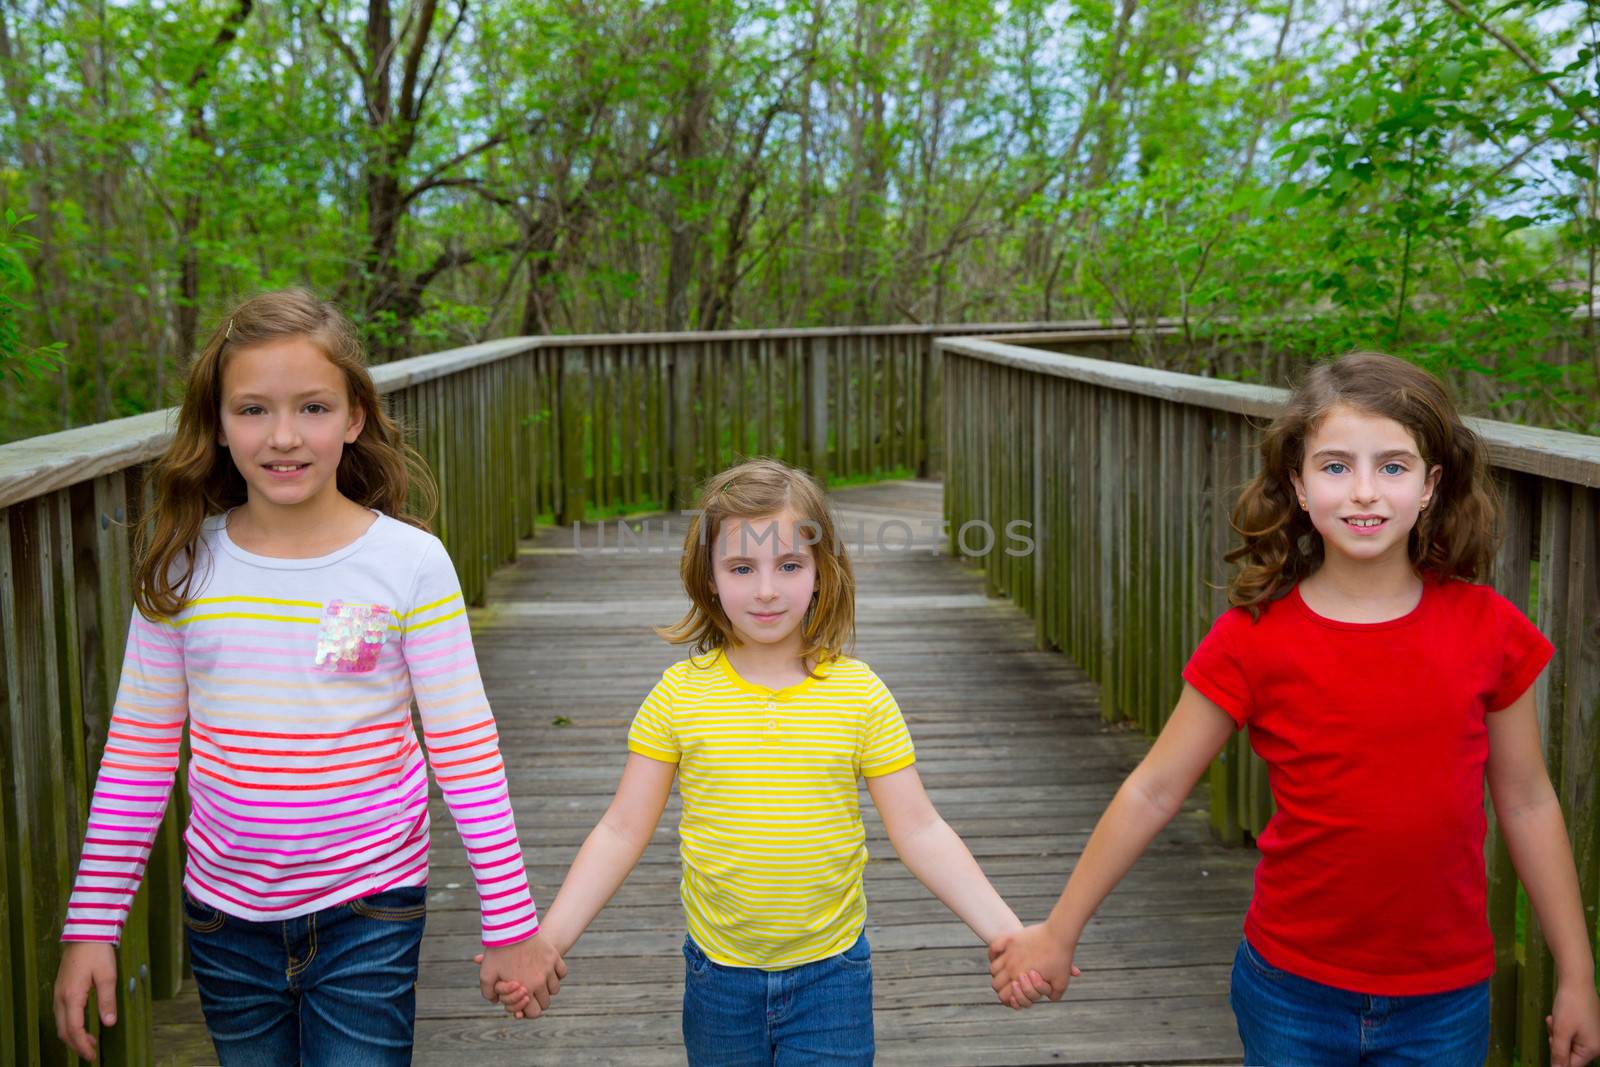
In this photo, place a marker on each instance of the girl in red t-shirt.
(1381, 686)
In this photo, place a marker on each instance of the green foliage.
(1281, 179)
(18, 359)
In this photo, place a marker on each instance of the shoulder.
(849, 671)
(1473, 607)
(691, 672)
(407, 542)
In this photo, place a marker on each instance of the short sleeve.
(885, 743)
(1216, 670)
(1524, 652)
(652, 734)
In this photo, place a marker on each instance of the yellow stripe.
(256, 600)
(653, 753)
(244, 615)
(426, 607)
(889, 768)
(430, 622)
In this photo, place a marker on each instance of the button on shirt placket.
(772, 714)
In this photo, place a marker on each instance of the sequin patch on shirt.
(351, 636)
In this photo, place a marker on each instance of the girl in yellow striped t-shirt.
(766, 728)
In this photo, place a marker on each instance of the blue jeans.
(1288, 1021)
(337, 986)
(816, 1013)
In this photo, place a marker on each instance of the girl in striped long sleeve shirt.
(291, 612)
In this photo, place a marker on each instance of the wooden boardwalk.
(1011, 748)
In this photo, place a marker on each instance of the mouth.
(767, 616)
(1365, 524)
(284, 470)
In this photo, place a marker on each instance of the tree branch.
(1526, 60)
(339, 43)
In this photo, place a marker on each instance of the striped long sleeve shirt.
(306, 778)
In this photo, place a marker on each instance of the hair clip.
(229, 332)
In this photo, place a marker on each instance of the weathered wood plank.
(1011, 747)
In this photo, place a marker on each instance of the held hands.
(1031, 964)
(1573, 1023)
(85, 965)
(521, 977)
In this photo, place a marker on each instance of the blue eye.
(1392, 468)
(743, 568)
(791, 567)
(1335, 468)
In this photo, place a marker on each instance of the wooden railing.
(514, 429)
(1127, 475)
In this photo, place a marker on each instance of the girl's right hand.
(1031, 953)
(85, 965)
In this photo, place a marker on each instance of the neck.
(758, 661)
(1365, 591)
(312, 528)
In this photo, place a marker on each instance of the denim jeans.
(337, 986)
(816, 1013)
(1288, 1021)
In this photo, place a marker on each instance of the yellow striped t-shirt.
(771, 836)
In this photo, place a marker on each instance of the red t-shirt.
(1371, 875)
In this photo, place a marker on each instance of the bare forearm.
(941, 861)
(1129, 824)
(1536, 837)
(603, 864)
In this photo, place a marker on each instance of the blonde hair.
(1454, 538)
(756, 489)
(195, 477)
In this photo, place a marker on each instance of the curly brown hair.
(195, 477)
(1454, 538)
(759, 488)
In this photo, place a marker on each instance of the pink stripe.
(448, 632)
(471, 789)
(486, 833)
(159, 781)
(434, 653)
(330, 837)
(404, 802)
(463, 667)
(75, 904)
(88, 887)
(197, 836)
(254, 906)
(317, 872)
(205, 787)
(95, 824)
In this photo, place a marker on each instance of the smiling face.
(286, 417)
(1364, 483)
(764, 575)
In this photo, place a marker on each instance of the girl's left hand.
(1574, 1025)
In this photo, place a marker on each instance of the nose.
(283, 434)
(764, 587)
(1364, 486)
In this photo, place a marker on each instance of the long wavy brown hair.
(1454, 538)
(195, 477)
(756, 489)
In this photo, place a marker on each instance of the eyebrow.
(1339, 453)
(751, 559)
(325, 390)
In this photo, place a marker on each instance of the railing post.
(930, 462)
(682, 424)
(817, 408)
(571, 406)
